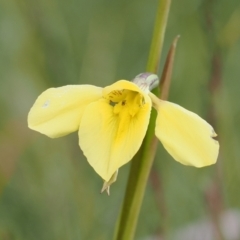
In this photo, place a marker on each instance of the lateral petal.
(185, 135)
(109, 140)
(58, 111)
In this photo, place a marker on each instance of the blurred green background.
(47, 188)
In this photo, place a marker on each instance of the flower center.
(125, 100)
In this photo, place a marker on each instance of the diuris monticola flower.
(112, 122)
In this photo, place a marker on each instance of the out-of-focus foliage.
(48, 191)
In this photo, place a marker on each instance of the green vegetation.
(48, 190)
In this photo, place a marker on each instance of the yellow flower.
(113, 121)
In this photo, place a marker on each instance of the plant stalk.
(143, 160)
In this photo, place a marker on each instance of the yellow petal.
(110, 140)
(58, 111)
(122, 84)
(186, 136)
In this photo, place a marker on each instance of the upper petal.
(124, 84)
(58, 111)
(109, 140)
(186, 136)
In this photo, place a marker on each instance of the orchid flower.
(112, 122)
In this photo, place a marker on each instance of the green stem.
(142, 162)
(158, 36)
